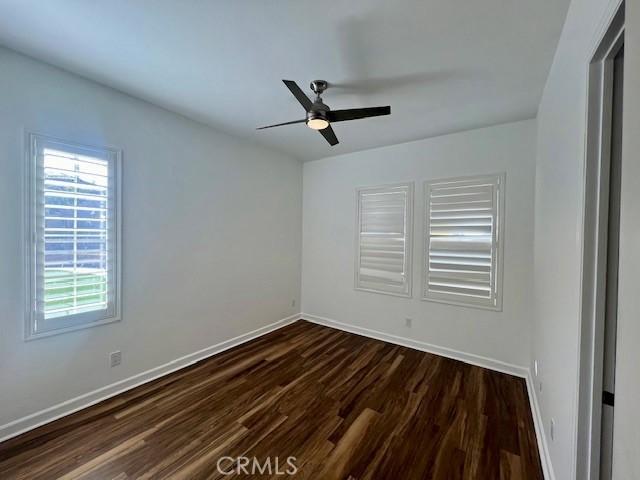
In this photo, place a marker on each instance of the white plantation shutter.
(74, 215)
(384, 224)
(463, 241)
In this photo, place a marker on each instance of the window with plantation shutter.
(383, 244)
(464, 220)
(74, 234)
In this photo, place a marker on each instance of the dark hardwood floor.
(345, 406)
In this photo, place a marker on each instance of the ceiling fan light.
(317, 123)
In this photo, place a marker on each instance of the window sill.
(30, 335)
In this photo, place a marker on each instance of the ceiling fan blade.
(357, 113)
(329, 135)
(280, 124)
(299, 94)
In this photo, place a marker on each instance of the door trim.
(594, 248)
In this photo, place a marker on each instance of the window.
(73, 229)
(464, 221)
(383, 246)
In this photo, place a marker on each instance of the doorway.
(612, 264)
(596, 402)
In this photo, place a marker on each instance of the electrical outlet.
(408, 322)
(552, 429)
(535, 368)
(115, 358)
(293, 302)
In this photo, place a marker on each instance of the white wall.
(559, 228)
(211, 246)
(329, 240)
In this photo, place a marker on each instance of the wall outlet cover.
(115, 358)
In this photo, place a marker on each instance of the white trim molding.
(73, 405)
(543, 446)
(593, 224)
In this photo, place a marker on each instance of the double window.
(74, 236)
(463, 238)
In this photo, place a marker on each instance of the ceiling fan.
(320, 116)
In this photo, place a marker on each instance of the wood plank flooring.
(345, 406)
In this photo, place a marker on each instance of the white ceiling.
(442, 65)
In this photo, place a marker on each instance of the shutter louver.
(384, 222)
(462, 241)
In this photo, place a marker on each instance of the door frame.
(594, 248)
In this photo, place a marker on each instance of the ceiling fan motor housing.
(318, 110)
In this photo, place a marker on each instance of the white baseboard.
(470, 358)
(70, 406)
(465, 357)
(543, 446)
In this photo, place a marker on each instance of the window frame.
(408, 238)
(35, 326)
(497, 244)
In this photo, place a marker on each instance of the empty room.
(349, 240)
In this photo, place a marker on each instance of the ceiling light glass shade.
(317, 123)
